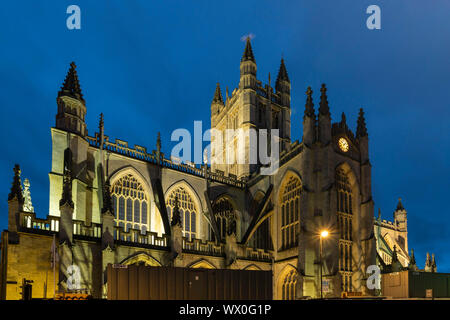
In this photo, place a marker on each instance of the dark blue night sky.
(152, 66)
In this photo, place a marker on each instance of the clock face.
(343, 144)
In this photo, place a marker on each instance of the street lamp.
(323, 234)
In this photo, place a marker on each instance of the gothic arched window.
(290, 212)
(130, 203)
(188, 211)
(224, 215)
(345, 220)
(289, 286)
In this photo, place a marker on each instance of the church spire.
(324, 109)
(71, 86)
(16, 188)
(218, 95)
(428, 263)
(343, 119)
(361, 130)
(400, 205)
(433, 263)
(413, 258)
(309, 106)
(248, 52)
(282, 73)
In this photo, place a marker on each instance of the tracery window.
(225, 217)
(130, 203)
(261, 238)
(345, 220)
(290, 213)
(289, 286)
(188, 211)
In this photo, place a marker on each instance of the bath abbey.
(311, 223)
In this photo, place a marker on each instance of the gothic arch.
(252, 267)
(287, 174)
(189, 188)
(128, 169)
(202, 263)
(222, 217)
(287, 283)
(192, 212)
(141, 257)
(347, 192)
(289, 205)
(350, 173)
(131, 198)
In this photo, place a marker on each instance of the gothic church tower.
(251, 106)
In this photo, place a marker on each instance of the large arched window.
(130, 203)
(290, 212)
(344, 218)
(289, 286)
(224, 215)
(188, 211)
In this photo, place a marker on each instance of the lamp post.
(323, 234)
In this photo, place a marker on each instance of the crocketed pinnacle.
(218, 95)
(158, 143)
(343, 120)
(428, 260)
(16, 188)
(324, 109)
(176, 217)
(66, 197)
(101, 123)
(107, 202)
(248, 52)
(433, 261)
(400, 205)
(412, 260)
(282, 73)
(71, 86)
(361, 130)
(309, 106)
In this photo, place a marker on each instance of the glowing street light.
(323, 234)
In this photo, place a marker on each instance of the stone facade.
(112, 203)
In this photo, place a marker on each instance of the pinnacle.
(248, 52)
(218, 95)
(282, 73)
(309, 106)
(400, 205)
(71, 86)
(324, 108)
(16, 188)
(361, 129)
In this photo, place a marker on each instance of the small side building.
(415, 284)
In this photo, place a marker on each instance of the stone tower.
(250, 108)
(70, 133)
(71, 105)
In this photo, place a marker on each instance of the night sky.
(152, 66)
